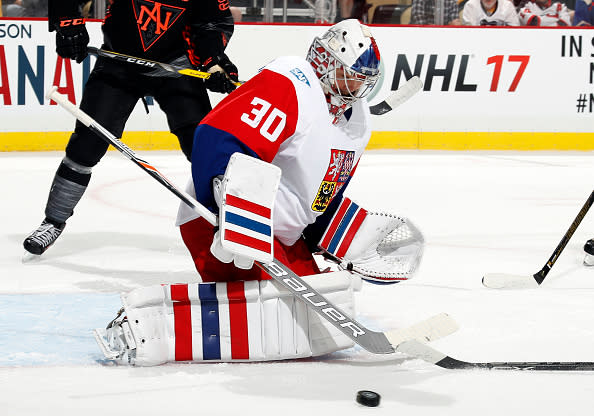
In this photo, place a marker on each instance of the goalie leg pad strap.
(235, 321)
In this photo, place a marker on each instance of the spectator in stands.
(584, 13)
(423, 13)
(13, 8)
(352, 9)
(490, 13)
(544, 13)
(35, 8)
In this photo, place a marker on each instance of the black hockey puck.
(368, 398)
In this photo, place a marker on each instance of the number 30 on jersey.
(270, 120)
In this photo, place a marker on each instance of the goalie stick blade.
(398, 97)
(509, 281)
(432, 356)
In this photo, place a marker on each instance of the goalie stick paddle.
(401, 95)
(373, 341)
(159, 67)
(511, 281)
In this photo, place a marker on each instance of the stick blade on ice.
(509, 281)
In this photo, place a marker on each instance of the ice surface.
(480, 212)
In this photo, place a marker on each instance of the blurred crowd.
(403, 12)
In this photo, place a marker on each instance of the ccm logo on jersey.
(71, 22)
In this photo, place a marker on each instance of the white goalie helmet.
(347, 61)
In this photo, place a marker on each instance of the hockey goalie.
(273, 160)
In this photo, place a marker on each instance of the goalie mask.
(346, 60)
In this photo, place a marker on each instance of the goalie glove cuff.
(378, 246)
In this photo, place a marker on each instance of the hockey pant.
(197, 235)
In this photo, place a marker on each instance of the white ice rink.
(480, 212)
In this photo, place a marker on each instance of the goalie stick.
(401, 95)
(512, 281)
(159, 67)
(375, 342)
(408, 341)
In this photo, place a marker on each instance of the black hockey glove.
(72, 39)
(224, 76)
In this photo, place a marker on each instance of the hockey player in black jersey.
(173, 31)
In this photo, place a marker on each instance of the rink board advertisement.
(484, 88)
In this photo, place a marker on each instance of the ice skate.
(43, 237)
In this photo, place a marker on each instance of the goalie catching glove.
(380, 247)
(245, 196)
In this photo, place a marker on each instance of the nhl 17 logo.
(154, 19)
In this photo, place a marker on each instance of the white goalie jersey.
(316, 157)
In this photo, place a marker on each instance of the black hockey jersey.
(157, 30)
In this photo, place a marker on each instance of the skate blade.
(30, 258)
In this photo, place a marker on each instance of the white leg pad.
(222, 322)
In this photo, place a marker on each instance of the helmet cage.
(342, 84)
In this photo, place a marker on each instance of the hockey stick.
(432, 356)
(511, 281)
(159, 67)
(401, 95)
(373, 341)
